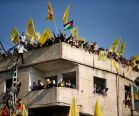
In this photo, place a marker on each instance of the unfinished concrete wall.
(80, 56)
(34, 76)
(43, 54)
(88, 67)
(23, 75)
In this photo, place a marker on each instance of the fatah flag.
(74, 32)
(115, 45)
(14, 36)
(21, 110)
(98, 111)
(66, 14)
(102, 55)
(50, 16)
(68, 25)
(121, 49)
(73, 108)
(45, 36)
(135, 61)
(115, 64)
(30, 29)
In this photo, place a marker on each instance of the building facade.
(88, 76)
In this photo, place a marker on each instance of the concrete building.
(86, 72)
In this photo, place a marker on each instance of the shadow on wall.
(36, 97)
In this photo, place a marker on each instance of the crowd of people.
(10, 101)
(50, 84)
(12, 93)
(17, 110)
(91, 47)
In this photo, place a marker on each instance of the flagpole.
(55, 26)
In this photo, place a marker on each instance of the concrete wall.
(86, 88)
(80, 56)
(34, 76)
(88, 67)
(108, 103)
(33, 57)
(43, 54)
(23, 75)
(41, 98)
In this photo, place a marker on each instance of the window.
(127, 96)
(100, 86)
(8, 83)
(137, 81)
(70, 76)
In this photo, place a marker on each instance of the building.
(84, 70)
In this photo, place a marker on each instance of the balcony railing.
(49, 97)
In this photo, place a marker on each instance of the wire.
(6, 42)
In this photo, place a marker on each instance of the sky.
(101, 21)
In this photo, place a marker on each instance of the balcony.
(58, 96)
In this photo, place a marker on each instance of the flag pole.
(55, 25)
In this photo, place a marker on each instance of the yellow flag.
(136, 57)
(45, 36)
(98, 111)
(73, 108)
(74, 32)
(128, 70)
(14, 36)
(121, 50)
(135, 61)
(115, 65)
(30, 30)
(115, 45)
(50, 16)
(24, 111)
(66, 14)
(102, 55)
(81, 39)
